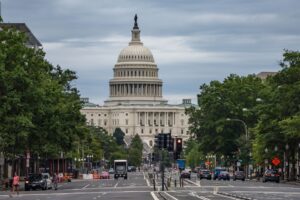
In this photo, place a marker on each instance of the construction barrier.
(96, 176)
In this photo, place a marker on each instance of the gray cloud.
(193, 41)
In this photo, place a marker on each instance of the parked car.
(271, 175)
(188, 169)
(131, 169)
(35, 181)
(48, 179)
(111, 171)
(224, 175)
(104, 175)
(239, 175)
(185, 174)
(217, 171)
(204, 173)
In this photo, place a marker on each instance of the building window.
(126, 121)
(151, 143)
(182, 122)
(182, 131)
(92, 122)
(126, 131)
(104, 115)
(92, 115)
(156, 130)
(105, 122)
(150, 131)
(142, 131)
(99, 115)
(126, 114)
(99, 122)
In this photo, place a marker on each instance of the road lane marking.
(115, 186)
(85, 187)
(154, 196)
(226, 196)
(170, 196)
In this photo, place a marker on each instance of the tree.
(279, 113)
(135, 151)
(219, 101)
(119, 136)
(40, 110)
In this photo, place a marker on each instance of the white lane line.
(226, 196)
(154, 196)
(170, 196)
(192, 182)
(147, 181)
(85, 186)
(116, 184)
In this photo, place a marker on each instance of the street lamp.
(246, 132)
(244, 124)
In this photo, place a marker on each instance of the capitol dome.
(136, 53)
(135, 78)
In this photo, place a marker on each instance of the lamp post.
(246, 133)
(286, 162)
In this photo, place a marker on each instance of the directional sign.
(207, 163)
(276, 161)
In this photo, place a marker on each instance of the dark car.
(271, 175)
(217, 171)
(185, 174)
(224, 175)
(239, 175)
(131, 169)
(35, 181)
(204, 173)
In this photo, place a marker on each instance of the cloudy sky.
(193, 41)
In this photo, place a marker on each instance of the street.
(138, 187)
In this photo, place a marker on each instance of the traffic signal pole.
(163, 171)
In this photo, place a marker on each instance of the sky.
(193, 41)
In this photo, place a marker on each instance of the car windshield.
(224, 172)
(205, 172)
(271, 172)
(120, 167)
(35, 177)
(239, 173)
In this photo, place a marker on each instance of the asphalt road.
(138, 187)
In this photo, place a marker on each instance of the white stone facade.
(136, 103)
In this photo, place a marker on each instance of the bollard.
(175, 182)
(154, 185)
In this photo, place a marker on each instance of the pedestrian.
(15, 184)
(55, 181)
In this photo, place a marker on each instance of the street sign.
(207, 163)
(276, 161)
(238, 164)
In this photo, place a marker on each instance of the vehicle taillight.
(26, 181)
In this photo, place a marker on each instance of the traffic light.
(179, 144)
(178, 148)
(159, 141)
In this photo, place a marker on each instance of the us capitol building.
(136, 103)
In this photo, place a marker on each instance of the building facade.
(135, 102)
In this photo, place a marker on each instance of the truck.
(120, 167)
